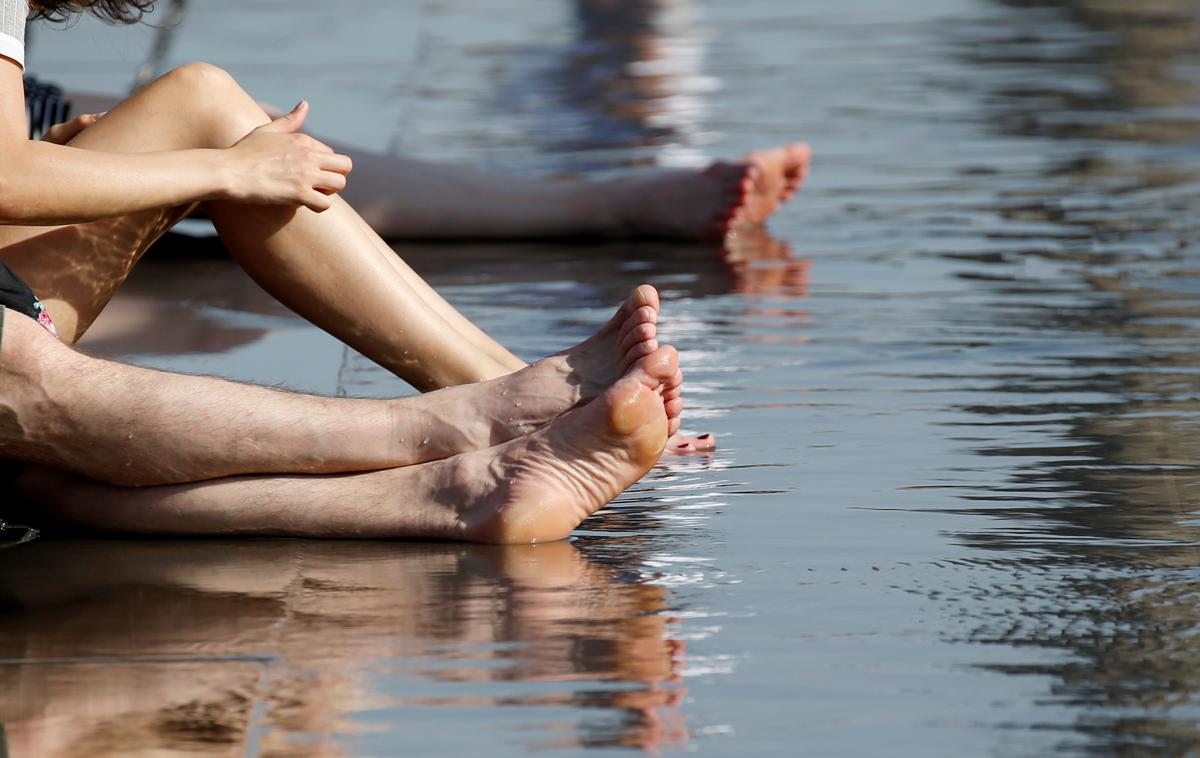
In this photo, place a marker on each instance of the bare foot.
(777, 174)
(708, 204)
(584, 371)
(535, 488)
(540, 487)
(682, 204)
(527, 399)
(480, 415)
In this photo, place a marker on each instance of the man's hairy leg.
(535, 488)
(132, 426)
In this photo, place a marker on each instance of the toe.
(674, 408)
(644, 315)
(683, 444)
(646, 295)
(638, 351)
(638, 334)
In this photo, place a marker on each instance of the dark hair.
(121, 11)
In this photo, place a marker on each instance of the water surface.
(955, 389)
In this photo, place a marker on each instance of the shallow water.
(955, 390)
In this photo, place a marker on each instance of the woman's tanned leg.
(329, 267)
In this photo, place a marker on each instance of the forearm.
(46, 184)
(133, 426)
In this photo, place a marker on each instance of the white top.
(12, 29)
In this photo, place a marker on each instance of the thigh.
(76, 269)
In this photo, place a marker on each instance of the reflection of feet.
(761, 264)
(709, 203)
(777, 174)
(540, 487)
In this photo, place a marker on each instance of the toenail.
(704, 436)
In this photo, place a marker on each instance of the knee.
(28, 356)
(198, 79)
(210, 98)
(26, 349)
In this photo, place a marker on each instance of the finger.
(61, 134)
(289, 122)
(331, 181)
(55, 134)
(317, 202)
(336, 162)
(319, 147)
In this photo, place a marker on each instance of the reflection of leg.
(128, 425)
(535, 488)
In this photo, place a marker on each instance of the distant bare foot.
(684, 204)
(777, 174)
(538, 488)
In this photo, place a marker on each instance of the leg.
(133, 426)
(405, 198)
(328, 267)
(536, 488)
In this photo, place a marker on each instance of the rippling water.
(955, 389)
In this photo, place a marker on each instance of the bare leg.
(405, 198)
(127, 425)
(330, 267)
(535, 488)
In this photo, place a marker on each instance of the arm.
(44, 183)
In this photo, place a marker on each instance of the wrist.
(219, 175)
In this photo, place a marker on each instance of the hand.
(274, 165)
(61, 134)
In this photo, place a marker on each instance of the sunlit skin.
(325, 614)
(329, 267)
(457, 202)
(272, 195)
(535, 488)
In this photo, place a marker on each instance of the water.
(955, 390)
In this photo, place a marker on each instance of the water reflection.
(1098, 417)
(634, 74)
(109, 648)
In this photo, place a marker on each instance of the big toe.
(636, 414)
